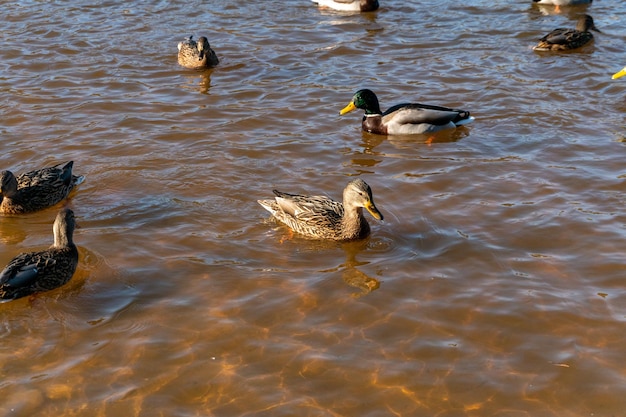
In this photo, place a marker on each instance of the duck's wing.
(52, 177)
(416, 113)
(33, 272)
(558, 36)
(22, 271)
(315, 216)
(301, 207)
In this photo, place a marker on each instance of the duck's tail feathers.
(466, 121)
(78, 179)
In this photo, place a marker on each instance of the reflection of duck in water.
(349, 5)
(562, 39)
(34, 272)
(619, 74)
(36, 190)
(559, 3)
(357, 279)
(353, 276)
(322, 218)
(406, 118)
(196, 55)
(198, 81)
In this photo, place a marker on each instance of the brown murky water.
(494, 287)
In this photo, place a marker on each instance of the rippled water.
(494, 287)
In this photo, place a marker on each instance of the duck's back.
(35, 272)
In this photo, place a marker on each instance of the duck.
(562, 39)
(406, 118)
(559, 3)
(619, 74)
(36, 190)
(321, 217)
(196, 55)
(34, 272)
(349, 5)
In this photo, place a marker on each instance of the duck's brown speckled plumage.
(36, 190)
(562, 39)
(34, 272)
(323, 218)
(406, 118)
(196, 55)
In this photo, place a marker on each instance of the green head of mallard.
(363, 99)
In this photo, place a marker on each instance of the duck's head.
(363, 99)
(203, 47)
(358, 194)
(63, 227)
(585, 24)
(8, 184)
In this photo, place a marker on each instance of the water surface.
(494, 286)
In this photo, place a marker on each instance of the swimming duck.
(619, 74)
(36, 190)
(349, 5)
(559, 3)
(322, 218)
(33, 272)
(565, 39)
(406, 118)
(196, 55)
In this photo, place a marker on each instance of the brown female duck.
(36, 190)
(322, 218)
(34, 272)
(196, 55)
(562, 39)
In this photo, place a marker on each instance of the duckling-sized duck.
(35, 272)
(322, 218)
(406, 118)
(562, 39)
(196, 55)
(559, 3)
(36, 190)
(349, 5)
(619, 74)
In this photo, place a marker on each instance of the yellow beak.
(374, 211)
(619, 74)
(347, 109)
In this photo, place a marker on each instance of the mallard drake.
(406, 118)
(36, 190)
(323, 218)
(196, 55)
(619, 74)
(349, 5)
(559, 3)
(33, 272)
(562, 39)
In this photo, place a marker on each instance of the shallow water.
(494, 286)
